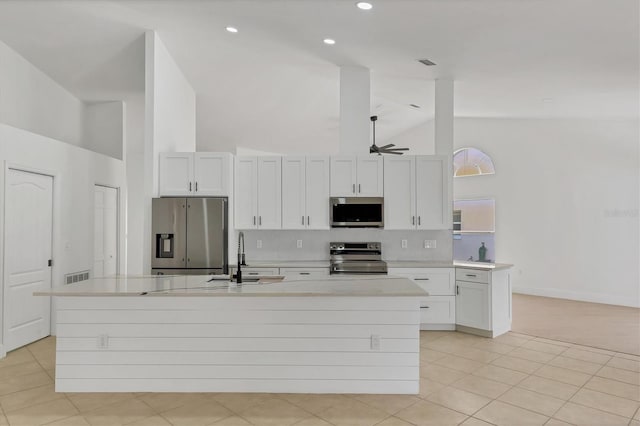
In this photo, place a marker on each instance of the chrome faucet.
(241, 260)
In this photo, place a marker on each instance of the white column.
(444, 134)
(355, 109)
(444, 117)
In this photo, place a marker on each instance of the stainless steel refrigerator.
(189, 236)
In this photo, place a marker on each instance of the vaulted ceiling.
(274, 84)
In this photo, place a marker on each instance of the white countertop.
(390, 264)
(198, 285)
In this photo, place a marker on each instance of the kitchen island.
(336, 334)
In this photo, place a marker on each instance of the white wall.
(104, 128)
(31, 100)
(75, 172)
(420, 139)
(567, 204)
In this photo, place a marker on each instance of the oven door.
(357, 212)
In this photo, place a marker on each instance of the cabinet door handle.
(421, 279)
(260, 220)
(254, 220)
(359, 189)
(303, 220)
(470, 275)
(196, 186)
(413, 220)
(354, 188)
(308, 221)
(418, 220)
(189, 186)
(457, 290)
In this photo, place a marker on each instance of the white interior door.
(105, 249)
(28, 238)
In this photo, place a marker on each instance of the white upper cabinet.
(258, 193)
(317, 192)
(433, 206)
(416, 193)
(400, 192)
(305, 193)
(370, 176)
(176, 173)
(269, 192)
(245, 193)
(294, 210)
(212, 173)
(195, 174)
(357, 176)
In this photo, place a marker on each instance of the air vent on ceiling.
(426, 62)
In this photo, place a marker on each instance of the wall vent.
(75, 277)
(426, 62)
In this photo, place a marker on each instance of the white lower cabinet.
(304, 272)
(438, 310)
(483, 301)
(249, 271)
(472, 304)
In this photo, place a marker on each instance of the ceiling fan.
(386, 149)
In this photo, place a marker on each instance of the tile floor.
(512, 380)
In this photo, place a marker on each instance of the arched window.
(472, 162)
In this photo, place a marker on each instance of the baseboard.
(579, 296)
(438, 327)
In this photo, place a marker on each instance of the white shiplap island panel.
(315, 342)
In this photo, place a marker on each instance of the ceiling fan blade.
(393, 152)
(395, 149)
(387, 146)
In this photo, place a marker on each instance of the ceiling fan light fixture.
(386, 149)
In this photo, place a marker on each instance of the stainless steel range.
(357, 258)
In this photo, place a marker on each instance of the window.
(472, 162)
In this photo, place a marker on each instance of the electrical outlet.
(258, 243)
(375, 342)
(404, 243)
(103, 341)
(299, 243)
(429, 243)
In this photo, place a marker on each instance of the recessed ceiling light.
(232, 29)
(364, 5)
(329, 41)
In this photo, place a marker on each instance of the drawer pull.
(471, 275)
(421, 279)
(253, 273)
(457, 290)
(424, 307)
(305, 273)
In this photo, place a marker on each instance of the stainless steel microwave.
(356, 212)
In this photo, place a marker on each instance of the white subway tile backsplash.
(283, 244)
